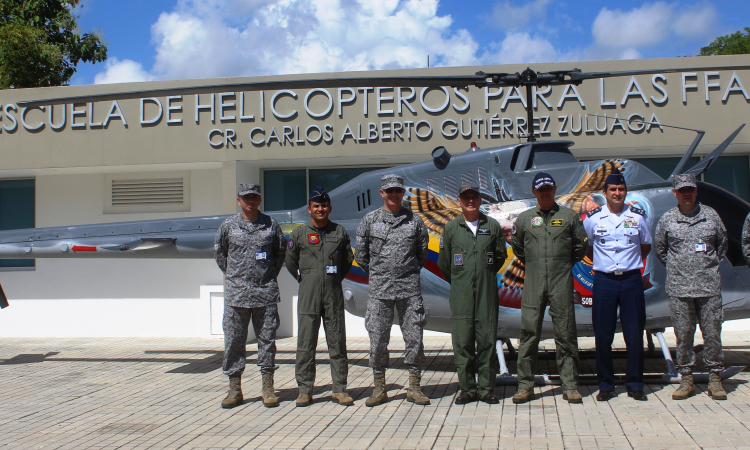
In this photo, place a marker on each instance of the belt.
(623, 272)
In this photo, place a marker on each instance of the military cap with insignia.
(615, 177)
(468, 187)
(542, 179)
(319, 195)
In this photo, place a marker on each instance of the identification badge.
(536, 221)
(490, 258)
(556, 222)
(483, 231)
(700, 247)
(458, 259)
(313, 239)
(441, 242)
(260, 256)
(332, 269)
(331, 238)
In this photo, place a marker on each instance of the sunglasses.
(394, 191)
(686, 189)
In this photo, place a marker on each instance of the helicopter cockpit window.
(545, 156)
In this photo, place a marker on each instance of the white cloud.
(521, 48)
(509, 16)
(622, 34)
(218, 38)
(125, 71)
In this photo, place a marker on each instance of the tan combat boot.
(686, 389)
(342, 398)
(304, 400)
(269, 397)
(234, 398)
(572, 396)
(414, 393)
(715, 389)
(523, 396)
(379, 394)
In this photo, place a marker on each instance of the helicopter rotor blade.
(481, 79)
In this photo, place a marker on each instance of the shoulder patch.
(638, 211)
(593, 211)
(290, 243)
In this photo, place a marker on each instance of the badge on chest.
(313, 239)
(556, 222)
(601, 231)
(332, 269)
(483, 232)
(701, 247)
(536, 221)
(260, 256)
(458, 259)
(331, 238)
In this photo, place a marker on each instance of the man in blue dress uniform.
(620, 237)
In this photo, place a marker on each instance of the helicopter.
(504, 176)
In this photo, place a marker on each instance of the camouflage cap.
(391, 181)
(468, 187)
(245, 189)
(684, 180)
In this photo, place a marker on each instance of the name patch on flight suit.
(331, 238)
(260, 256)
(313, 239)
(556, 222)
(458, 259)
(536, 221)
(483, 231)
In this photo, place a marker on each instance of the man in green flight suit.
(472, 250)
(548, 240)
(319, 256)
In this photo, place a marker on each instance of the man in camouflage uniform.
(249, 248)
(319, 257)
(746, 239)
(392, 249)
(548, 240)
(691, 241)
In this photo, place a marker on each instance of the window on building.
(284, 189)
(664, 166)
(731, 173)
(289, 189)
(17, 211)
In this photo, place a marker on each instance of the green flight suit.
(549, 247)
(470, 264)
(309, 257)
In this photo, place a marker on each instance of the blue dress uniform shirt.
(617, 239)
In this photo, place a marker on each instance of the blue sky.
(183, 39)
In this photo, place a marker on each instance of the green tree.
(41, 45)
(731, 44)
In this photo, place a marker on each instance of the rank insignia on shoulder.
(331, 238)
(593, 211)
(556, 222)
(580, 219)
(458, 259)
(536, 221)
(313, 239)
(290, 243)
(441, 242)
(483, 231)
(638, 211)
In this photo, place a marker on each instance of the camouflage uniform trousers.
(708, 313)
(236, 321)
(378, 321)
